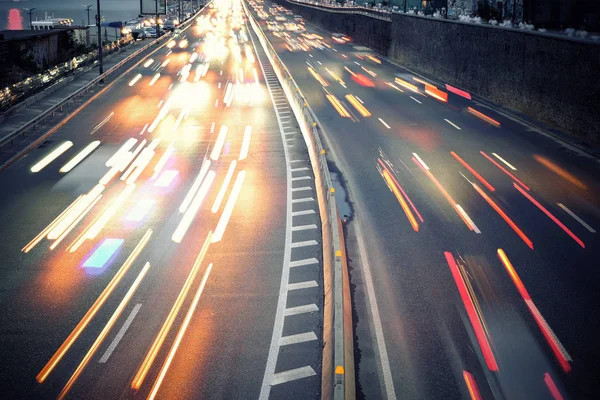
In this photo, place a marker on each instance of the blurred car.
(340, 38)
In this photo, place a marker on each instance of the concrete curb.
(338, 380)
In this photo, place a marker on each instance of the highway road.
(472, 234)
(165, 241)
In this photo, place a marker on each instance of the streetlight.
(87, 8)
(30, 12)
(98, 22)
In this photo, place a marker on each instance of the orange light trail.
(504, 170)
(402, 190)
(550, 215)
(445, 193)
(472, 386)
(375, 60)
(483, 117)
(62, 350)
(560, 171)
(407, 85)
(504, 216)
(436, 93)
(484, 344)
(557, 348)
(79, 208)
(115, 316)
(359, 107)
(339, 107)
(409, 214)
(79, 218)
(179, 337)
(318, 77)
(471, 170)
(50, 227)
(552, 387)
(164, 330)
(109, 212)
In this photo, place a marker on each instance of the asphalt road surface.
(145, 243)
(472, 234)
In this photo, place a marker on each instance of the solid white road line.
(572, 214)
(303, 227)
(269, 377)
(388, 382)
(299, 338)
(302, 285)
(301, 310)
(301, 263)
(292, 375)
(120, 334)
(304, 244)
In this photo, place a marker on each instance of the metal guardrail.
(338, 358)
(14, 94)
(32, 124)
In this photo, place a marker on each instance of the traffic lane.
(233, 151)
(519, 137)
(232, 328)
(457, 189)
(384, 101)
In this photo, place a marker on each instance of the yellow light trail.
(190, 195)
(218, 146)
(114, 317)
(245, 143)
(224, 220)
(339, 107)
(135, 79)
(164, 330)
(80, 156)
(109, 212)
(407, 85)
(79, 218)
(51, 226)
(62, 350)
(192, 210)
(87, 199)
(318, 77)
(359, 107)
(52, 156)
(179, 337)
(154, 79)
(224, 187)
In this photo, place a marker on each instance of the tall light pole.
(98, 22)
(87, 8)
(30, 12)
